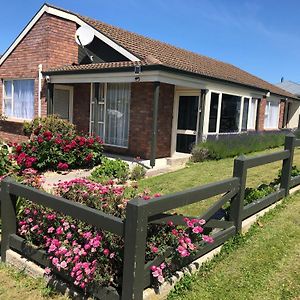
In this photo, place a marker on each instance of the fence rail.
(141, 213)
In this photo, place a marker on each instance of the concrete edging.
(34, 270)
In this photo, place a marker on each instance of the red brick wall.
(81, 106)
(281, 113)
(261, 114)
(51, 43)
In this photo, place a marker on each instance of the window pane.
(252, 114)
(61, 103)
(8, 89)
(117, 114)
(8, 107)
(272, 115)
(245, 114)
(230, 113)
(185, 143)
(23, 99)
(188, 112)
(213, 112)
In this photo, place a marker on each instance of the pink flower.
(50, 230)
(198, 229)
(201, 222)
(207, 239)
(106, 252)
(62, 166)
(63, 264)
(154, 249)
(59, 230)
(47, 271)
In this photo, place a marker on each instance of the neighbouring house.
(143, 97)
(292, 111)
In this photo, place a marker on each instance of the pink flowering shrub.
(53, 151)
(95, 257)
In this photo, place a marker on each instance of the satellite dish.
(84, 35)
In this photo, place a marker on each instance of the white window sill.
(17, 120)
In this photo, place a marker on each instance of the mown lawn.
(16, 285)
(264, 264)
(207, 172)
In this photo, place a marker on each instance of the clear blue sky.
(259, 36)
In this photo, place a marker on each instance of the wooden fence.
(140, 213)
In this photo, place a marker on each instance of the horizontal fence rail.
(220, 223)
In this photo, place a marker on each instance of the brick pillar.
(281, 114)
(261, 114)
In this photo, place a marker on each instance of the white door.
(63, 102)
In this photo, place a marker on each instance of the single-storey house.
(292, 112)
(143, 97)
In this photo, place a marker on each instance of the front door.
(187, 122)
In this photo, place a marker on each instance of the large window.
(230, 113)
(19, 98)
(213, 112)
(110, 113)
(225, 115)
(272, 114)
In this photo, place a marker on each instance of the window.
(252, 114)
(230, 113)
(245, 114)
(19, 98)
(272, 114)
(110, 113)
(213, 112)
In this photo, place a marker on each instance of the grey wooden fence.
(140, 213)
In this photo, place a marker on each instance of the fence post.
(287, 163)
(134, 251)
(237, 203)
(8, 216)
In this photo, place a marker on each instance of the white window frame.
(104, 118)
(12, 118)
(220, 93)
(71, 98)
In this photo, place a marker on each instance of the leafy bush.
(6, 164)
(231, 146)
(110, 169)
(138, 172)
(50, 123)
(53, 151)
(252, 194)
(90, 256)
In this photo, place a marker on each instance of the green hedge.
(231, 146)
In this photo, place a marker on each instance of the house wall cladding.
(50, 42)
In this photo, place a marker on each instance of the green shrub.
(262, 191)
(50, 123)
(110, 169)
(138, 172)
(230, 146)
(6, 164)
(47, 151)
(200, 153)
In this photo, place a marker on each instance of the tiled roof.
(154, 52)
(290, 86)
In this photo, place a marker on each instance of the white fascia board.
(70, 17)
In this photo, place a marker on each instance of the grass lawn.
(17, 285)
(210, 171)
(264, 264)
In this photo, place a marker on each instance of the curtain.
(272, 114)
(23, 99)
(252, 114)
(117, 114)
(8, 98)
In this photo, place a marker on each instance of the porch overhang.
(149, 73)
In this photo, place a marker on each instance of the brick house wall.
(50, 42)
(260, 123)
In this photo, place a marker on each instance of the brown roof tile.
(153, 52)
